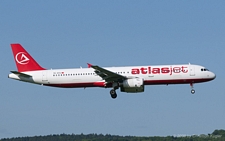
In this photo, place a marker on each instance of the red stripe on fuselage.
(175, 81)
(72, 85)
(146, 82)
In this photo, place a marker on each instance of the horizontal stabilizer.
(20, 73)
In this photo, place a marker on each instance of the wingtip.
(89, 65)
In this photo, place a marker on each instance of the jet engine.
(133, 85)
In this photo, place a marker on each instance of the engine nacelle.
(133, 85)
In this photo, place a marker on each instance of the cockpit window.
(204, 69)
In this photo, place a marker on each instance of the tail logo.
(21, 58)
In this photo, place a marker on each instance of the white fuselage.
(86, 77)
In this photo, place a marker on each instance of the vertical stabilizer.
(24, 60)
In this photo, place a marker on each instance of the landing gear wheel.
(192, 91)
(114, 96)
(113, 93)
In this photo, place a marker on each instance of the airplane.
(130, 79)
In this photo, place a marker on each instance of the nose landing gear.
(192, 90)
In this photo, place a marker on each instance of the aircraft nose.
(213, 75)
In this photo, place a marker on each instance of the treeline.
(217, 135)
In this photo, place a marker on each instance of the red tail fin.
(23, 59)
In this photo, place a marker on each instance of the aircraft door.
(192, 70)
(44, 76)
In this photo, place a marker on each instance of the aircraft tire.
(113, 93)
(193, 91)
(114, 96)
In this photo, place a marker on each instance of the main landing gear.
(113, 93)
(192, 88)
(115, 85)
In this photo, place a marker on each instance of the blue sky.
(69, 34)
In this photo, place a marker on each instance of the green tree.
(219, 132)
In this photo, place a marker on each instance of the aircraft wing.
(107, 75)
